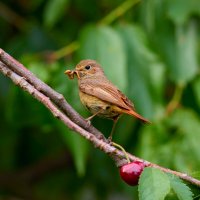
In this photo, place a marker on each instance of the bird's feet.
(109, 139)
(88, 120)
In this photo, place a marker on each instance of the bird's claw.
(88, 122)
(109, 139)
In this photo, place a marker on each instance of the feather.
(106, 91)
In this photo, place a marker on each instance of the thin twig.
(55, 101)
(174, 102)
(119, 11)
(66, 50)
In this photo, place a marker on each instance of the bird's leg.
(113, 128)
(92, 116)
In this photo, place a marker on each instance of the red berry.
(130, 172)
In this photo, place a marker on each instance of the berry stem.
(124, 151)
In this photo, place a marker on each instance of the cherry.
(130, 172)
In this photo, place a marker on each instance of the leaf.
(187, 125)
(153, 184)
(148, 145)
(186, 65)
(54, 10)
(177, 45)
(104, 44)
(180, 10)
(146, 73)
(78, 147)
(179, 49)
(181, 190)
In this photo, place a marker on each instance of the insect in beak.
(71, 73)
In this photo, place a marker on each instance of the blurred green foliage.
(149, 49)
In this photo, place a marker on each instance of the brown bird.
(99, 95)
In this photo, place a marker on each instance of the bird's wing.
(106, 92)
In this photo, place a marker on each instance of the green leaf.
(185, 66)
(180, 51)
(147, 145)
(78, 147)
(181, 190)
(180, 10)
(146, 73)
(104, 44)
(177, 45)
(153, 184)
(187, 125)
(54, 10)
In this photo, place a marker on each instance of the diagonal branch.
(59, 107)
(54, 96)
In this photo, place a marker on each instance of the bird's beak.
(71, 73)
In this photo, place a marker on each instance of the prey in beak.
(71, 74)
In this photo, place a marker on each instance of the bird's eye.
(87, 67)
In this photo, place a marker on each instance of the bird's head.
(85, 69)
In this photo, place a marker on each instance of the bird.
(99, 95)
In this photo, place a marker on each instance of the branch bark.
(59, 107)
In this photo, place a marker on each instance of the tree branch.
(54, 96)
(59, 107)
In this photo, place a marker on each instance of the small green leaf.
(153, 184)
(54, 10)
(104, 44)
(181, 190)
(78, 147)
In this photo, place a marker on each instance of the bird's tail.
(133, 113)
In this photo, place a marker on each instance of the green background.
(149, 49)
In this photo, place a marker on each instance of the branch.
(41, 87)
(59, 107)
